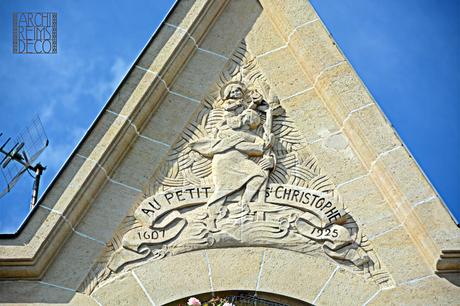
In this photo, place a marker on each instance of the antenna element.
(20, 157)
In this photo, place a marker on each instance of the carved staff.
(274, 108)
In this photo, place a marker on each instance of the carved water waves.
(240, 175)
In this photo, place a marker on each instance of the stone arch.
(310, 279)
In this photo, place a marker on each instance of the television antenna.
(18, 157)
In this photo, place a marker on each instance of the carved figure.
(231, 167)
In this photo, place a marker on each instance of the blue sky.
(406, 52)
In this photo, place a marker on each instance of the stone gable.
(241, 153)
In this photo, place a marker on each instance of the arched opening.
(242, 298)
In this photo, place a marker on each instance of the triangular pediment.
(240, 139)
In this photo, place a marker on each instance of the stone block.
(346, 288)
(380, 225)
(290, 14)
(365, 201)
(100, 127)
(63, 184)
(406, 175)
(400, 256)
(200, 72)
(39, 224)
(139, 163)
(310, 115)
(308, 274)
(88, 172)
(73, 262)
(33, 292)
(342, 90)
(125, 290)
(263, 36)
(231, 26)
(134, 88)
(169, 119)
(138, 91)
(439, 224)
(186, 12)
(235, 268)
(174, 277)
(102, 137)
(375, 132)
(80, 299)
(426, 291)
(315, 49)
(337, 159)
(107, 211)
(284, 73)
(157, 53)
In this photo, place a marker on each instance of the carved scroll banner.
(319, 204)
(155, 207)
(162, 220)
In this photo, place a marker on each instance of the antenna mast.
(20, 157)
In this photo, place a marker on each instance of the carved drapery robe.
(231, 166)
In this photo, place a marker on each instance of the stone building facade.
(240, 154)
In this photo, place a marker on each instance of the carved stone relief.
(240, 175)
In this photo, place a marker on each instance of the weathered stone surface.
(406, 175)
(72, 264)
(24, 292)
(337, 158)
(65, 182)
(284, 73)
(442, 227)
(431, 290)
(106, 128)
(186, 13)
(137, 84)
(169, 119)
(263, 37)
(140, 162)
(400, 256)
(227, 268)
(368, 205)
(234, 23)
(311, 116)
(342, 90)
(39, 223)
(189, 276)
(198, 75)
(156, 55)
(370, 123)
(337, 290)
(310, 274)
(380, 225)
(125, 290)
(315, 48)
(83, 300)
(290, 14)
(107, 211)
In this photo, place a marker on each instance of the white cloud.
(104, 88)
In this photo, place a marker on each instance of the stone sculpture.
(241, 175)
